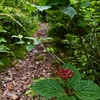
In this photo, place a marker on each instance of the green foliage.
(87, 90)
(68, 11)
(72, 89)
(64, 97)
(16, 22)
(47, 87)
(75, 28)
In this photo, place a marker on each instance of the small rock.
(12, 96)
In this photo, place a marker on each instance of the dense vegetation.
(16, 23)
(75, 31)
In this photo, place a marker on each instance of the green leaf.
(1, 64)
(85, 3)
(28, 92)
(2, 40)
(72, 82)
(87, 90)
(4, 48)
(66, 97)
(70, 11)
(63, 97)
(30, 47)
(2, 30)
(48, 88)
(73, 98)
(36, 41)
(20, 42)
(14, 36)
(41, 8)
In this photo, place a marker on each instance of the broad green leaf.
(87, 90)
(20, 42)
(48, 88)
(70, 11)
(36, 41)
(85, 3)
(30, 47)
(41, 8)
(72, 82)
(2, 40)
(66, 97)
(63, 97)
(73, 98)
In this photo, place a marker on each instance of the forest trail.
(15, 80)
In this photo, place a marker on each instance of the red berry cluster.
(65, 73)
(39, 33)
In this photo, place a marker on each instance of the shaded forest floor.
(15, 80)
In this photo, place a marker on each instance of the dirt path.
(15, 80)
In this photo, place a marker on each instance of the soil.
(37, 63)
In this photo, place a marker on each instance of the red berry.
(65, 73)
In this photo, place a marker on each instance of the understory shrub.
(67, 86)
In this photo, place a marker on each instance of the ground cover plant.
(68, 86)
